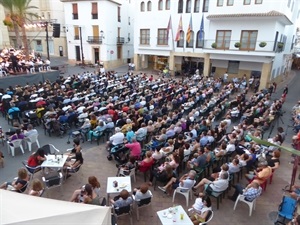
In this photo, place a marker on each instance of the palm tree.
(8, 6)
(21, 16)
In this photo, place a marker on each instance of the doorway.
(77, 53)
(96, 55)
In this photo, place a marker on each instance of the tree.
(18, 13)
(8, 6)
(21, 16)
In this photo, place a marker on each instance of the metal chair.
(50, 149)
(186, 192)
(251, 205)
(123, 211)
(31, 170)
(15, 144)
(16, 115)
(31, 140)
(141, 204)
(53, 180)
(128, 173)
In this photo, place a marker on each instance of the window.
(39, 46)
(220, 2)
(162, 37)
(168, 5)
(76, 33)
(200, 40)
(180, 6)
(258, 1)
(145, 37)
(205, 6)
(95, 30)
(197, 6)
(94, 10)
(191, 43)
(230, 2)
(180, 43)
(292, 8)
(289, 3)
(142, 6)
(188, 6)
(75, 11)
(223, 39)
(248, 39)
(247, 2)
(129, 20)
(160, 5)
(119, 14)
(149, 6)
(233, 67)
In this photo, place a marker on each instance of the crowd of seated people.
(174, 117)
(14, 61)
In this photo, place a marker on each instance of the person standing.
(285, 90)
(225, 77)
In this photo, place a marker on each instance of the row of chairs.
(18, 143)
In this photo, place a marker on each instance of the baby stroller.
(119, 153)
(286, 210)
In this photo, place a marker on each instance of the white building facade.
(252, 37)
(99, 31)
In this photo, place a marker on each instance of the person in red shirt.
(36, 158)
(135, 148)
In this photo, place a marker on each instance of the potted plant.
(237, 44)
(262, 44)
(214, 45)
(280, 45)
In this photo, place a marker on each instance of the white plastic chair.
(2, 72)
(32, 70)
(131, 173)
(251, 205)
(141, 204)
(31, 140)
(186, 192)
(15, 144)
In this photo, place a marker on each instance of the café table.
(174, 215)
(123, 183)
(54, 161)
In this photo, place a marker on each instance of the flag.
(201, 31)
(189, 31)
(169, 27)
(177, 38)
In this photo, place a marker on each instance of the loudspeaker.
(56, 30)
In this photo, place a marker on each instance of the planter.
(237, 44)
(213, 45)
(262, 44)
(280, 45)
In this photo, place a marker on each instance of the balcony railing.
(120, 40)
(76, 37)
(94, 40)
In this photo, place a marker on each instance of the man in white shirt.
(225, 77)
(220, 184)
(30, 131)
(116, 139)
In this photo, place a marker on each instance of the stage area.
(23, 79)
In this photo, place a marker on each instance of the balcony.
(94, 40)
(120, 40)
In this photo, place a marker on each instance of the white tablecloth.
(52, 162)
(166, 218)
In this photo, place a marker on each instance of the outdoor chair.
(241, 198)
(186, 192)
(138, 204)
(31, 140)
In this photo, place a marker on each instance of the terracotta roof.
(267, 14)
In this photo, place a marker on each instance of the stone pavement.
(96, 164)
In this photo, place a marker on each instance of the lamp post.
(47, 40)
(81, 47)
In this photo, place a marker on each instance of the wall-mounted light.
(102, 34)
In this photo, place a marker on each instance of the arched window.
(191, 43)
(197, 6)
(168, 5)
(160, 5)
(149, 6)
(180, 43)
(142, 6)
(200, 39)
(188, 6)
(180, 6)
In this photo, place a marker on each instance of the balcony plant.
(262, 44)
(280, 45)
(237, 44)
(214, 45)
